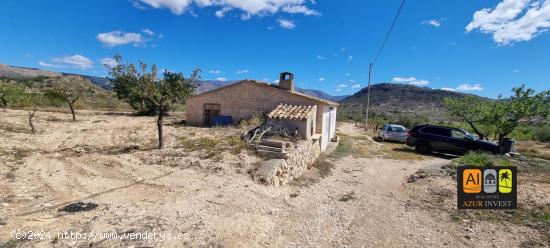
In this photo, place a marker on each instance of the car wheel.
(423, 148)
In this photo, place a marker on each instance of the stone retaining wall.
(281, 171)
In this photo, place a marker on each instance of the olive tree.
(145, 85)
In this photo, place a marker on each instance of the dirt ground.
(205, 198)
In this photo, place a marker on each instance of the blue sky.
(482, 47)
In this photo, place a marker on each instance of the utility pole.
(368, 100)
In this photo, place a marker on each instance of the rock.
(412, 178)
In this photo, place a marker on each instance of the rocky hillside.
(24, 72)
(390, 99)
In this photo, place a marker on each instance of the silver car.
(393, 132)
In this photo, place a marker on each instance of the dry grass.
(8, 127)
(211, 147)
(534, 149)
(363, 146)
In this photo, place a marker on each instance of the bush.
(482, 160)
(476, 159)
(542, 134)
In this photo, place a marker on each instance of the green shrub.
(542, 134)
(476, 159)
(523, 133)
(482, 159)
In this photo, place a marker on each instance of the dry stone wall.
(281, 171)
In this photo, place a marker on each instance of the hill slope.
(391, 99)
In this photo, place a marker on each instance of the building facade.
(246, 98)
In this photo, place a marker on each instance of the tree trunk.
(4, 103)
(71, 106)
(31, 115)
(481, 136)
(159, 126)
(500, 145)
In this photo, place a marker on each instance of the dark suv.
(428, 138)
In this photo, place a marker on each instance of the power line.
(389, 31)
(376, 58)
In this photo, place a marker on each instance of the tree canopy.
(145, 88)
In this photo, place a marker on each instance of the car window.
(398, 129)
(437, 131)
(458, 134)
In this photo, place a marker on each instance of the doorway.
(211, 110)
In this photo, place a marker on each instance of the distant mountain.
(389, 99)
(24, 72)
(321, 94)
(208, 85)
(105, 82)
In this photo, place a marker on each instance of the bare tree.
(70, 89)
(28, 101)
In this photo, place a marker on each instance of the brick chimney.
(286, 81)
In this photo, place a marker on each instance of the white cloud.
(248, 7)
(276, 81)
(148, 32)
(338, 89)
(434, 22)
(356, 86)
(75, 61)
(448, 89)
(242, 71)
(350, 57)
(221, 12)
(320, 57)
(411, 81)
(342, 86)
(300, 9)
(285, 23)
(221, 79)
(513, 20)
(468, 87)
(108, 63)
(214, 72)
(322, 79)
(117, 38)
(45, 64)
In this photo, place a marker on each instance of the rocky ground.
(198, 191)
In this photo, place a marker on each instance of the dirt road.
(359, 201)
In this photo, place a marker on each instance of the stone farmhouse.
(313, 118)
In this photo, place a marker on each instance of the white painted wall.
(328, 126)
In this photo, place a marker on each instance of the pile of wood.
(273, 148)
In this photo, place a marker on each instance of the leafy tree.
(524, 107)
(70, 89)
(10, 93)
(469, 109)
(145, 86)
(502, 115)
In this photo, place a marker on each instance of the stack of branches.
(270, 130)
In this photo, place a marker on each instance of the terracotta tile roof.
(292, 112)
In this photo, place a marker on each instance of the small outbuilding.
(311, 117)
